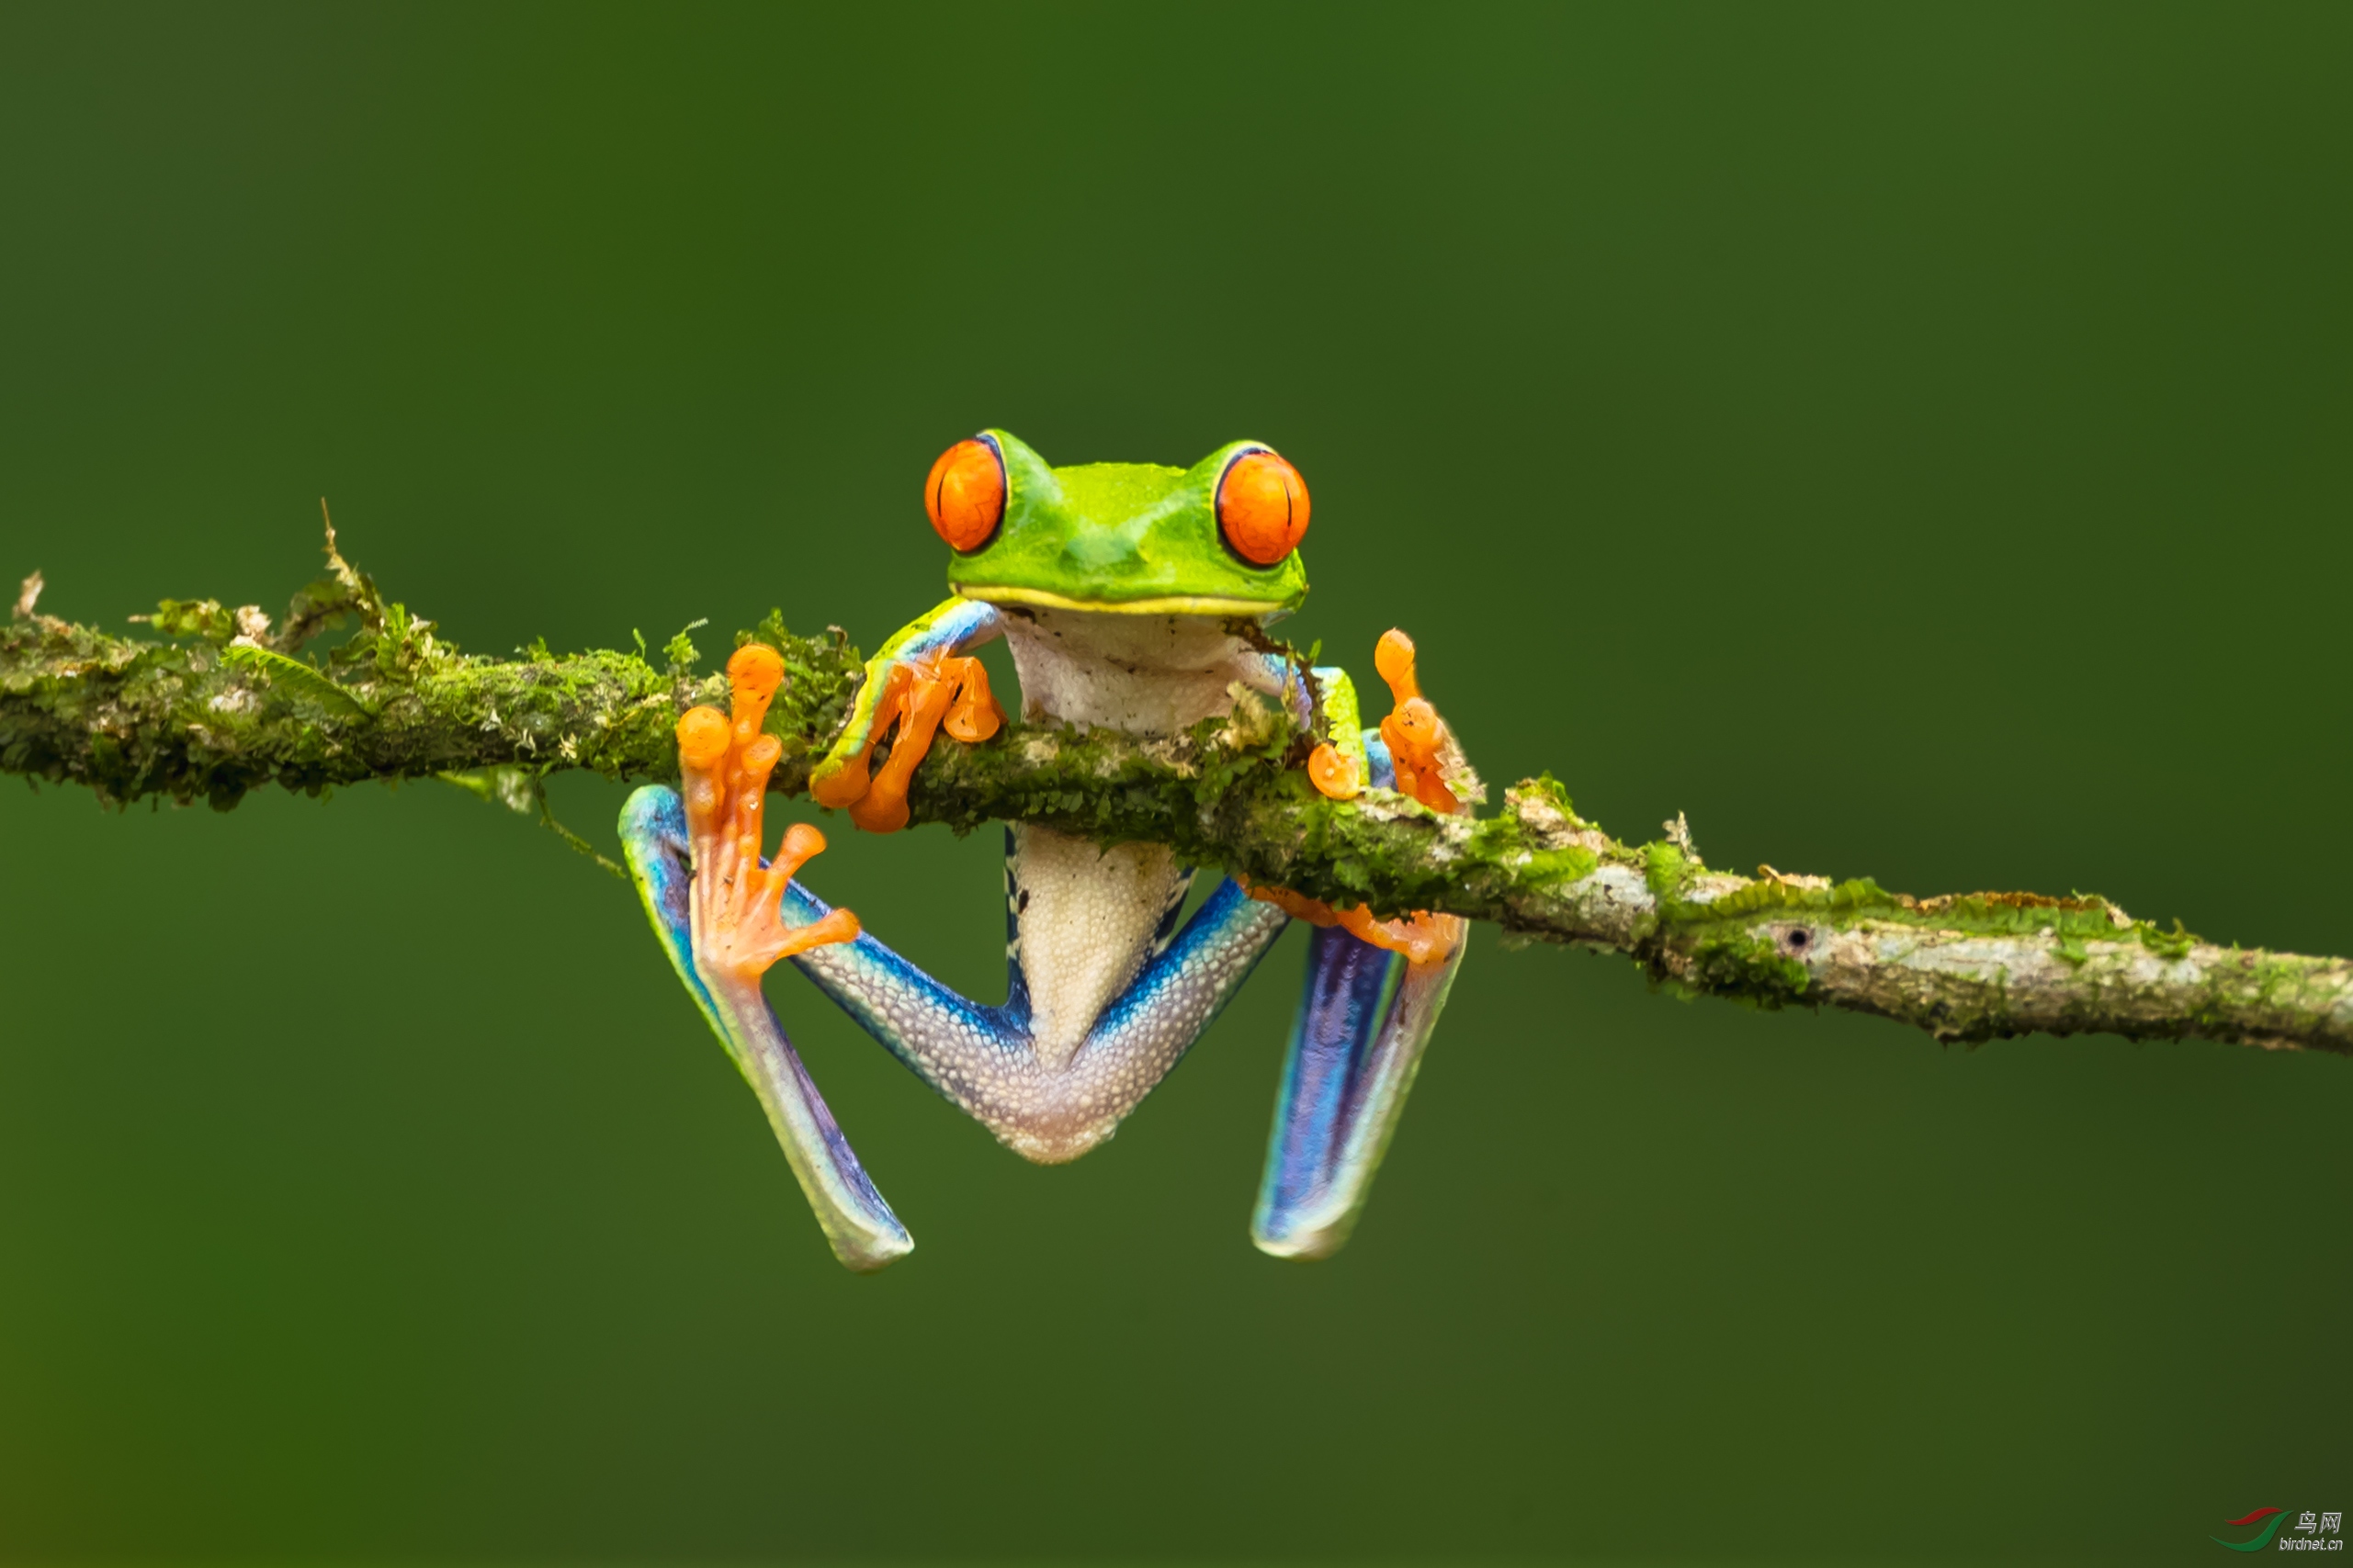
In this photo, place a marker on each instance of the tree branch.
(225, 705)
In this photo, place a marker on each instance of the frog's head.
(1219, 538)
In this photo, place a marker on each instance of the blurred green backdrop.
(1914, 442)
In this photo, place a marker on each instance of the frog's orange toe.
(1334, 773)
(802, 844)
(838, 925)
(703, 735)
(975, 715)
(880, 810)
(755, 670)
(842, 787)
(1393, 657)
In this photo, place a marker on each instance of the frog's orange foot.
(1421, 749)
(725, 759)
(1423, 937)
(922, 696)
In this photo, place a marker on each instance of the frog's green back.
(1136, 537)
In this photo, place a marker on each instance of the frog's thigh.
(977, 1057)
(1364, 1017)
(1147, 1028)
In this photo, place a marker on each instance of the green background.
(1914, 442)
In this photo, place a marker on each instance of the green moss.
(1548, 868)
(2273, 978)
(194, 617)
(1768, 899)
(1730, 962)
(2072, 922)
(1549, 791)
(681, 653)
(1506, 843)
(296, 679)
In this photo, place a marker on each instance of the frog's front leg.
(720, 918)
(922, 682)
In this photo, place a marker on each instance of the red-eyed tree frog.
(1132, 596)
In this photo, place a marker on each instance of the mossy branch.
(224, 705)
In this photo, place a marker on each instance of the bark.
(220, 704)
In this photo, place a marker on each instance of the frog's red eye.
(1261, 507)
(966, 494)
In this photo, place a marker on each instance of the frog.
(1134, 597)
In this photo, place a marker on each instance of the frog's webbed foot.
(719, 918)
(924, 683)
(725, 761)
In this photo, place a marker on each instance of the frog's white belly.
(1087, 918)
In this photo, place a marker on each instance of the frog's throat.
(1170, 604)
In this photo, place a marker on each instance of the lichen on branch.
(220, 704)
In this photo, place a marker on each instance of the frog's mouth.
(1162, 604)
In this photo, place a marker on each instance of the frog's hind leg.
(1147, 1028)
(1365, 1018)
(1005, 1065)
(858, 1224)
(1351, 988)
(962, 1048)
(715, 904)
